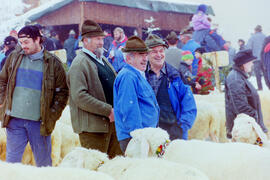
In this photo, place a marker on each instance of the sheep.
(19, 171)
(81, 157)
(265, 105)
(206, 124)
(246, 129)
(219, 161)
(123, 168)
(65, 117)
(210, 119)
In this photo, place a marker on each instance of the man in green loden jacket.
(90, 79)
(33, 94)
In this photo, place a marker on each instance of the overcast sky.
(238, 18)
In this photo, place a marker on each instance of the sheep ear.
(259, 131)
(137, 147)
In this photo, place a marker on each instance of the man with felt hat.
(33, 95)
(240, 94)
(173, 54)
(135, 103)
(177, 105)
(90, 79)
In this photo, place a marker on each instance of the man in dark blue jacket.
(10, 43)
(177, 105)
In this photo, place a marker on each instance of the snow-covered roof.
(156, 5)
(47, 8)
(151, 5)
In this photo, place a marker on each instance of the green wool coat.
(88, 107)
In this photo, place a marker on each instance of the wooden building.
(130, 14)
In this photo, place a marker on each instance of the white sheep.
(18, 171)
(219, 161)
(210, 119)
(123, 168)
(247, 130)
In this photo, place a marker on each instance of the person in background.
(9, 44)
(265, 58)
(177, 105)
(135, 102)
(205, 74)
(173, 54)
(33, 95)
(240, 94)
(231, 52)
(90, 80)
(255, 43)
(116, 57)
(241, 44)
(185, 69)
(107, 42)
(190, 45)
(69, 46)
(56, 41)
(200, 24)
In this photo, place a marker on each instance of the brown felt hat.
(172, 36)
(135, 44)
(154, 40)
(91, 29)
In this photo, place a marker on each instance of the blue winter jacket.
(117, 61)
(191, 46)
(182, 100)
(135, 104)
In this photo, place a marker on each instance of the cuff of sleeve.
(184, 127)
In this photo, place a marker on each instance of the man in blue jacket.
(177, 105)
(135, 104)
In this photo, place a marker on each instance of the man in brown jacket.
(33, 94)
(90, 79)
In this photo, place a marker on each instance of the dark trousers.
(123, 144)
(174, 130)
(258, 73)
(104, 142)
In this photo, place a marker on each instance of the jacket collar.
(236, 68)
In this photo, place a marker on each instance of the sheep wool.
(123, 168)
(219, 161)
(18, 171)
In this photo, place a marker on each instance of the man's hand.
(111, 116)
(1, 105)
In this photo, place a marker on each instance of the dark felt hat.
(172, 36)
(91, 29)
(154, 40)
(243, 56)
(135, 44)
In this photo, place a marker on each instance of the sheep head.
(247, 130)
(81, 157)
(145, 142)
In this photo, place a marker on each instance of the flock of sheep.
(208, 155)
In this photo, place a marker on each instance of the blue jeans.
(19, 132)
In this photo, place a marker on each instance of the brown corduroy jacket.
(54, 93)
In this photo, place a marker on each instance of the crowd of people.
(118, 84)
